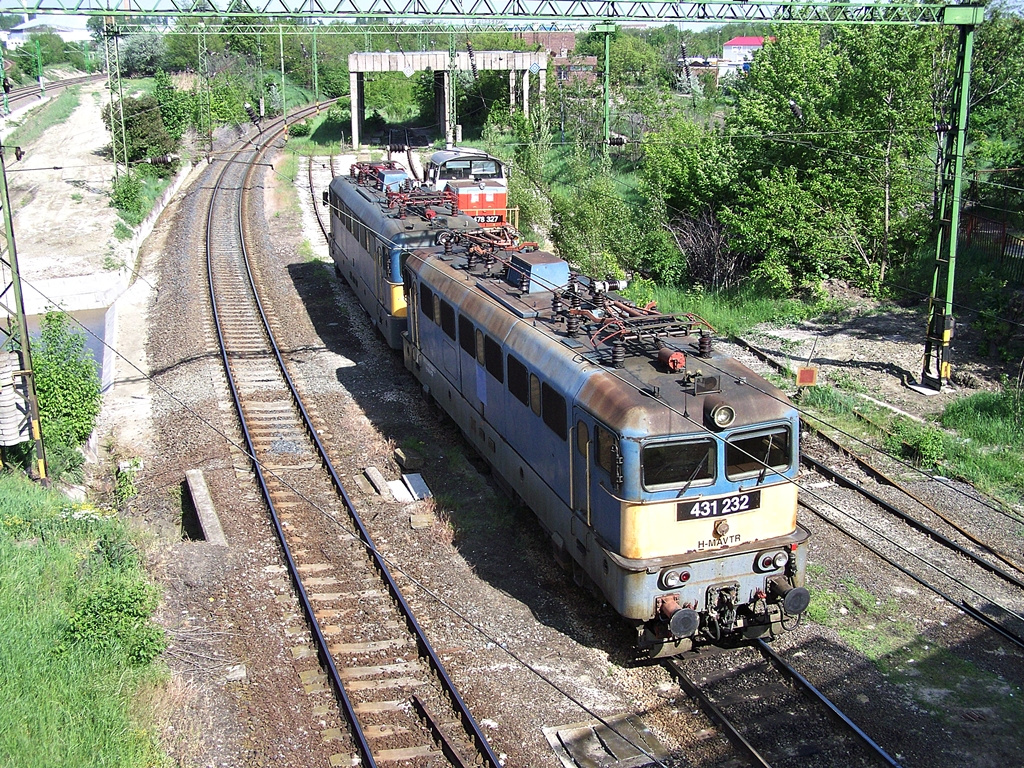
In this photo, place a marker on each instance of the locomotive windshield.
(677, 464)
(751, 453)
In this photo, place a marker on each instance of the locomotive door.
(583, 433)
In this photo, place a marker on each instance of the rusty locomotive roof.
(648, 373)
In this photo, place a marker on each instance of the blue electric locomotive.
(662, 471)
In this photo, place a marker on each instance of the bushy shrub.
(917, 442)
(113, 614)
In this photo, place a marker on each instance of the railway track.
(367, 651)
(941, 549)
(21, 97)
(772, 714)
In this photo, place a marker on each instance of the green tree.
(141, 54)
(145, 134)
(175, 106)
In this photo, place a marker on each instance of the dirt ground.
(60, 192)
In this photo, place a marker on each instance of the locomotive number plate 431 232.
(727, 505)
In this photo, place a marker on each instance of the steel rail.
(960, 604)
(426, 649)
(307, 606)
(882, 476)
(28, 92)
(878, 474)
(469, 723)
(805, 685)
(714, 713)
(317, 203)
(910, 520)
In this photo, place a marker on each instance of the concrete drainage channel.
(199, 520)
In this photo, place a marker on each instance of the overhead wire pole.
(284, 101)
(205, 97)
(118, 137)
(937, 368)
(15, 332)
(608, 28)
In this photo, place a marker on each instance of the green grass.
(76, 649)
(54, 112)
(874, 627)
(733, 313)
(325, 138)
(151, 189)
(992, 418)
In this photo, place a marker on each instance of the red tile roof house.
(741, 48)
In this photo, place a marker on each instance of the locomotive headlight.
(673, 579)
(719, 415)
(771, 561)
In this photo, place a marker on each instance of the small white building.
(70, 29)
(741, 49)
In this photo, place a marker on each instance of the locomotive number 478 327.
(727, 505)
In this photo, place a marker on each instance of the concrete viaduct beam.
(527, 62)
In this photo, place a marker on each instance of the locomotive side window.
(492, 360)
(751, 453)
(582, 438)
(518, 380)
(604, 449)
(480, 346)
(426, 301)
(678, 464)
(436, 308)
(535, 393)
(467, 338)
(447, 319)
(554, 410)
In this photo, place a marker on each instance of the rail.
(247, 157)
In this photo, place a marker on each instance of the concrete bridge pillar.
(526, 93)
(358, 100)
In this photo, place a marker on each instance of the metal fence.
(996, 238)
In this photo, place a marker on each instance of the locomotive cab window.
(535, 393)
(673, 465)
(751, 453)
(492, 359)
(554, 410)
(604, 448)
(426, 301)
(582, 437)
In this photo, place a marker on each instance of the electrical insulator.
(18, 153)
(7, 85)
(616, 141)
(251, 112)
(472, 58)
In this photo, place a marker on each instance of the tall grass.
(733, 313)
(67, 693)
(54, 112)
(992, 418)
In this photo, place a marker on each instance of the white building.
(741, 49)
(70, 29)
